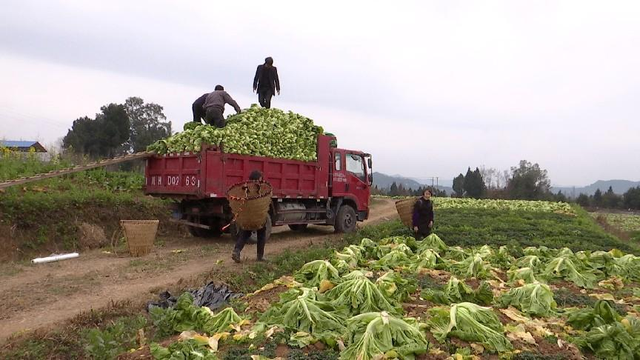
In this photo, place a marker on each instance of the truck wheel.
(345, 219)
(298, 227)
(206, 233)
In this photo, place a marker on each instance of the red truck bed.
(210, 173)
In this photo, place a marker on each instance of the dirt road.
(43, 295)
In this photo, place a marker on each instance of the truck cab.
(350, 179)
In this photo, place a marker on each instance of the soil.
(417, 308)
(37, 296)
(263, 300)
(547, 348)
(91, 236)
(473, 283)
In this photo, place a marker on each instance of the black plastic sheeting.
(211, 295)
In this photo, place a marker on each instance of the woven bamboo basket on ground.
(140, 235)
(250, 201)
(405, 210)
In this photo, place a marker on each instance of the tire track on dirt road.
(21, 316)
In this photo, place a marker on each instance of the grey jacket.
(218, 98)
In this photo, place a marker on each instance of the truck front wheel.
(345, 219)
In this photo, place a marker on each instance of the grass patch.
(68, 342)
(44, 216)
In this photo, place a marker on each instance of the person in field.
(423, 215)
(214, 106)
(198, 108)
(244, 235)
(266, 82)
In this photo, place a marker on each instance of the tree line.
(526, 181)
(629, 200)
(118, 129)
(400, 190)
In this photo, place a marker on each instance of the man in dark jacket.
(266, 82)
(214, 106)
(244, 235)
(198, 109)
(423, 215)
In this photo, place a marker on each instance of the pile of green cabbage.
(255, 131)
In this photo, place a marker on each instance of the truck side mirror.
(369, 163)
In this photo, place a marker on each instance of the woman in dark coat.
(423, 215)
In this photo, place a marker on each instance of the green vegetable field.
(498, 279)
(627, 223)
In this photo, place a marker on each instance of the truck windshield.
(355, 165)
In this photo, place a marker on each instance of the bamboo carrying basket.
(250, 201)
(405, 210)
(140, 235)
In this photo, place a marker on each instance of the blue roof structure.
(17, 143)
(23, 144)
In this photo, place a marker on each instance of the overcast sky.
(428, 87)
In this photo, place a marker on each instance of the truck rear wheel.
(206, 233)
(345, 219)
(298, 227)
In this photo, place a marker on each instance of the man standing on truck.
(266, 82)
(198, 108)
(244, 235)
(214, 106)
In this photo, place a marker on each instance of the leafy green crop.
(533, 299)
(497, 204)
(457, 291)
(469, 322)
(191, 349)
(602, 313)
(524, 274)
(300, 310)
(186, 316)
(473, 266)
(360, 295)
(432, 242)
(565, 267)
(394, 286)
(376, 334)
(255, 131)
(312, 273)
(614, 341)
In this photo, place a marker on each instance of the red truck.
(334, 190)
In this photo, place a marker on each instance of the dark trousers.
(214, 117)
(423, 232)
(198, 113)
(264, 97)
(245, 235)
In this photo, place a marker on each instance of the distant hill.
(442, 182)
(619, 187)
(384, 181)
